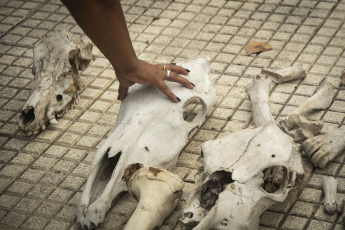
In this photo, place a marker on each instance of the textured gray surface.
(42, 176)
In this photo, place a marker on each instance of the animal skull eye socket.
(275, 178)
(191, 109)
(58, 97)
(213, 187)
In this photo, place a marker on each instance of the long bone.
(287, 74)
(58, 59)
(149, 130)
(323, 149)
(243, 173)
(322, 99)
(298, 125)
(329, 187)
(258, 91)
(158, 192)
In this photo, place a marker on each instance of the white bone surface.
(299, 127)
(244, 172)
(287, 74)
(322, 99)
(58, 59)
(158, 192)
(151, 130)
(323, 149)
(258, 91)
(329, 187)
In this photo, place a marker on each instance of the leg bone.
(158, 192)
(286, 74)
(329, 187)
(258, 92)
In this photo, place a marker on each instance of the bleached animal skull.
(158, 192)
(149, 130)
(58, 59)
(245, 172)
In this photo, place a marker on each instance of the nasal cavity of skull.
(58, 97)
(275, 178)
(213, 187)
(191, 109)
(108, 165)
(104, 173)
(28, 115)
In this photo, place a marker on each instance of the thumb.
(122, 92)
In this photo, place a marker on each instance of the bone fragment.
(158, 192)
(299, 127)
(329, 187)
(53, 121)
(322, 99)
(58, 59)
(286, 74)
(151, 130)
(323, 149)
(258, 91)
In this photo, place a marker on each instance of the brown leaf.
(257, 47)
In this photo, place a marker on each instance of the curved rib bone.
(324, 148)
(329, 187)
(286, 74)
(158, 192)
(258, 91)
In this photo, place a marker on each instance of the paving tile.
(13, 220)
(271, 219)
(34, 222)
(293, 222)
(299, 31)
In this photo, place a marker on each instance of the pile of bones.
(240, 175)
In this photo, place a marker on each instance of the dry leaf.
(257, 47)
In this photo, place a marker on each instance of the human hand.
(149, 74)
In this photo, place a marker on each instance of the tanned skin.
(104, 23)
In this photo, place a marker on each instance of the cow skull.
(58, 59)
(149, 130)
(245, 172)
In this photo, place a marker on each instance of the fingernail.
(173, 63)
(178, 98)
(118, 97)
(187, 70)
(192, 84)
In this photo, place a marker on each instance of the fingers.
(164, 89)
(122, 92)
(176, 69)
(181, 80)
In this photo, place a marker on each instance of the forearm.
(104, 22)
